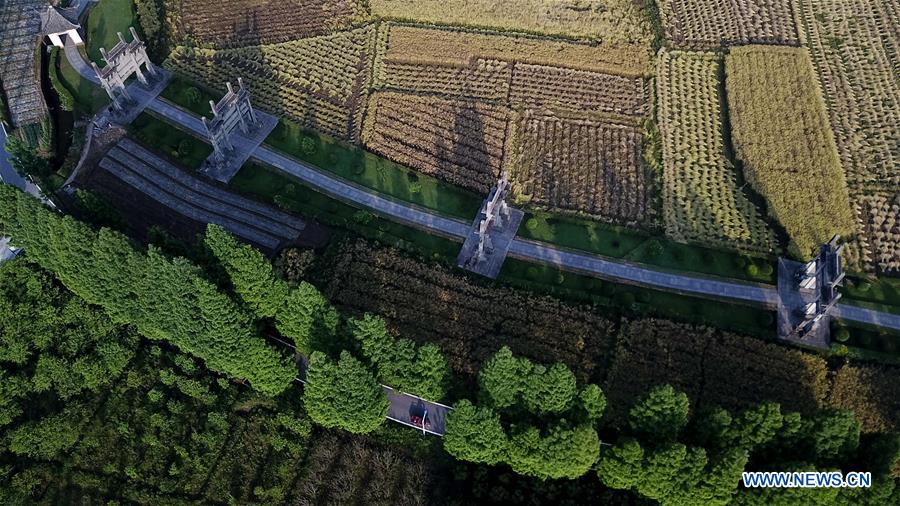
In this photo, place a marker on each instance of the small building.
(7, 252)
(55, 25)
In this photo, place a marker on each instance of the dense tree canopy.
(421, 370)
(475, 434)
(51, 341)
(301, 314)
(343, 394)
(561, 452)
(661, 414)
(166, 299)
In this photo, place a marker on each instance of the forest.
(105, 401)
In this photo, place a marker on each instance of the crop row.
(855, 51)
(781, 133)
(428, 303)
(613, 20)
(252, 22)
(704, 24)
(321, 82)
(444, 45)
(701, 198)
(580, 165)
(880, 216)
(457, 140)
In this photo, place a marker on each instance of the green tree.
(302, 314)
(475, 434)
(252, 275)
(660, 415)
(46, 438)
(400, 364)
(835, 436)
(165, 299)
(343, 394)
(755, 426)
(26, 160)
(503, 377)
(622, 466)
(549, 390)
(562, 453)
(593, 401)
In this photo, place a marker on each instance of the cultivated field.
(320, 82)
(701, 198)
(251, 22)
(428, 45)
(460, 141)
(580, 165)
(345, 469)
(428, 303)
(573, 144)
(781, 133)
(713, 368)
(854, 46)
(614, 20)
(703, 24)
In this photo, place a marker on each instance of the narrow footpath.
(582, 263)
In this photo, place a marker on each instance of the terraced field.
(460, 141)
(579, 165)
(197, 200)
(556, 88)
(614, 20)
(701, 198)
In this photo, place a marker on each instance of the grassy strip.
(271, 186)
(628, 244)
(170, 140)
(105, 20)
(344, 160)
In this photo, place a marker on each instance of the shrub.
(842, 335)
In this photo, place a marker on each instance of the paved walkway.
(582, 263)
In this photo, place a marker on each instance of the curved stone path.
(425, 219)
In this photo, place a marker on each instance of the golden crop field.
(701, 199)
(854, 50)
(580, 165)
(427, 45)
(705, 24)
(320, 82)
(460, 141)
(614, 20)
(781, 133)
(250, 22)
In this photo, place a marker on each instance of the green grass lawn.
(169, 140)
(191, 96)
(629, 244)
(883, 294)
(104, 21)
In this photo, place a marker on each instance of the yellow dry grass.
(613, 20)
